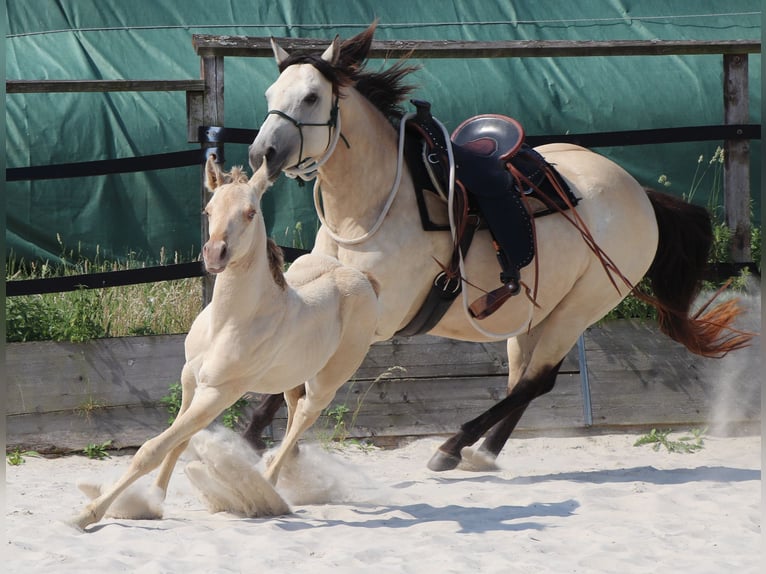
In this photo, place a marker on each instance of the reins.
(386, 207)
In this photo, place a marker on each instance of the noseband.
(307, 171)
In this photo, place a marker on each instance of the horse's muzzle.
(215, 254)
(275, 159)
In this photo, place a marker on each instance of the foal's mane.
(384, 89)
(276, 262)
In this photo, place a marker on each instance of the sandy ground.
(556, 505)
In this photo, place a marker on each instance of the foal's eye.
(312, 98)
(251, 214)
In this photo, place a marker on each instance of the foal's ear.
(260, 181)
(213, 174)
(332, 53)
(280, 54)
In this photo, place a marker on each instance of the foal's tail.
(685, 239)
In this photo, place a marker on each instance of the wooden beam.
(62, 86)
(211, 70)
(736, 178)
(247, 46)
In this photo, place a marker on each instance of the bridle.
(302, 169)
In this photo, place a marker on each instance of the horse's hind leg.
(504, 414)
(535, 358)
(320, 392)
(498, 435)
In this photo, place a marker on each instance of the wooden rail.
(246, 46)
(62, 86)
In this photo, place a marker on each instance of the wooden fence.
(63, 396)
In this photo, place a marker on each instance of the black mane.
(386, 89)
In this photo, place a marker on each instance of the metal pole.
(587, 408)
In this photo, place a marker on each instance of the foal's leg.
(206, 405)
(188, 387)
(319, 394)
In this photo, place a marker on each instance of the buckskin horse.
(332, 119)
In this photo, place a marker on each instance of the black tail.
(685, 240)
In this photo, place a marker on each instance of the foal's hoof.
(442, 461)
(82, 520)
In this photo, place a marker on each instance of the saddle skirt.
(505, 184)
(506, 181)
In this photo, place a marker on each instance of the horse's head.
(235, 221)
(302, 125)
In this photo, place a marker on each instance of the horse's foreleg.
(188, 386)
(262, 417)
(206, 405)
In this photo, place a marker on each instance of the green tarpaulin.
(145, 213)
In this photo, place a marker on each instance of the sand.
(587, 504)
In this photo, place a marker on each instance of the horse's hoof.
(85, 518)
(442, 461)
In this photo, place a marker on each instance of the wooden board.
(64, 396)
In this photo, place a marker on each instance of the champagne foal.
(263, 331)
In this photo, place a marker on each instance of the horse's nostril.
(270, 153)
(223, 251)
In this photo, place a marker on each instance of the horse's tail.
(685, 239)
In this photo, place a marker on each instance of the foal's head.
(236, 227)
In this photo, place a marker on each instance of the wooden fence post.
(211, 69)
(736, 179)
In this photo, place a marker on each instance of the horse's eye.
(251, 214)
(312, 98)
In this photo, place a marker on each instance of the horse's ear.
(280, 54)
(353, 52)
(213, 174)
(332, 53)
(260, 181)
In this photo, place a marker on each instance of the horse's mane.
(276, 262)
(236, 175)
(385, 89)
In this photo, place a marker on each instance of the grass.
(148, 309)
(97, 451)
(338, 421)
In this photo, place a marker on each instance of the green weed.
(16, 457)
(97, 451)
(685, 444)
